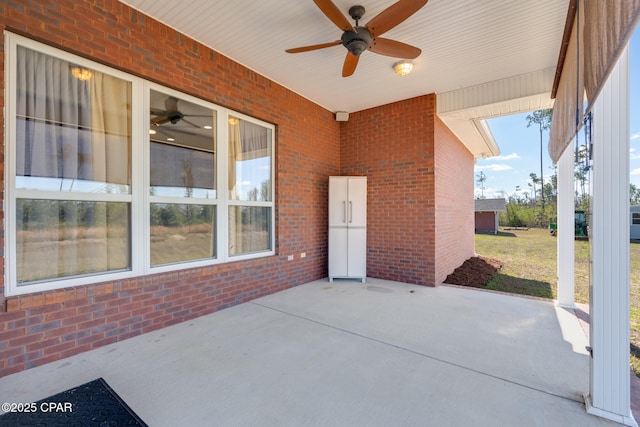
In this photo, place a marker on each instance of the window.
(250, 186)
(109, 176)
(72, 169)
(635, 218)
(182, 180)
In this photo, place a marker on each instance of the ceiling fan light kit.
(82, 74)
(356, 39)
(402, 68)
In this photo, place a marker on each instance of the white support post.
(566, 230)
(609, 383)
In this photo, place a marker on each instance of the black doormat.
(91, 404)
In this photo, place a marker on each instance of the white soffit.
(464, 44)
(474, 134)
(465, 110)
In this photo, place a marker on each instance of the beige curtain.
(72, 135)
(567, 111)
(110, 160)
(70, 128)
(247, 141)
(235, 154)
(111, 129)
(607, 26)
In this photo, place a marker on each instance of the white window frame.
(139, 199)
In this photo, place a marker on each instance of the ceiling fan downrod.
(360, 39)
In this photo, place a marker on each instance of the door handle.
(350, 211)
(344, 211)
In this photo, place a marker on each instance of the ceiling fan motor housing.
(175, 117)
(357, 41)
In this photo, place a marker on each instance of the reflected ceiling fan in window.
(358, 38)
(171, 114)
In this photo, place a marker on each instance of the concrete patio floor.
(346, 353)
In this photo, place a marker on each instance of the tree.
(551, 188)
(534, 180)
(543, 119)
(581, 171)
(634, 194)
(481, 179)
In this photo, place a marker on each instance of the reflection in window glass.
(182, 232)
(73, 238)
(73, 126)
(249, 229)
(249, 161)
(182, 148)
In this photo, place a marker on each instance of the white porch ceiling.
(465, 44)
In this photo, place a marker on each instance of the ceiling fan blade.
(172, 132)
(160, 120)
(394, 48)
(313, 47)
(157, 112)
(350, 64)
(393, 15)
(190, 123)
(332, 12)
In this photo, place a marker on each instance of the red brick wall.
(454, 202)
(393, 145)
(485, 221)
(42, 327)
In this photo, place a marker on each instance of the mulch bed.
(475, 272)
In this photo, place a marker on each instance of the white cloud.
(489, 192)
(635, 171)
(494, 167)
(633, 155)
(635, 135)
(493, 193)
(507, 157)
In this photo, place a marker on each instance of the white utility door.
(339, 252)
(357, 204)
(339, 201)
(357, 253)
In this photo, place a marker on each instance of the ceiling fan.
(357, 39)
(170, 114)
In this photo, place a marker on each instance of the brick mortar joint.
(39, 299)
(60, 296)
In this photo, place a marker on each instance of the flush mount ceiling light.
(402, 68)
(81, 73)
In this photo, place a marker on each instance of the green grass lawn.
(530, 268)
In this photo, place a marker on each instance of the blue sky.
(520, 146)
